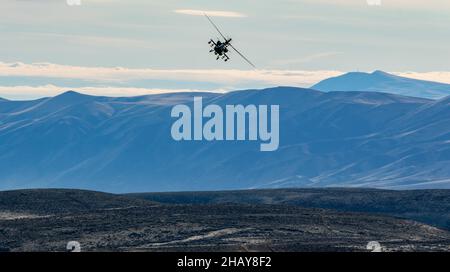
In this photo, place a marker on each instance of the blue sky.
(127, 47)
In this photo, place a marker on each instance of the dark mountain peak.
(381, 73)
(63, 100)
(71, 97)
(376, 73)
(71, 94)
(353, 73)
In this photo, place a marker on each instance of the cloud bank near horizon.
(34, 92)
(29, 81)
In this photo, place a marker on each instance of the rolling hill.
(427, 206)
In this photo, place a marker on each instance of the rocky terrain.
(427, 206)
(46, 220)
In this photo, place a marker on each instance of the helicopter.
(220, 48)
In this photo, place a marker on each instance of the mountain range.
(327, 139)
(380, 81)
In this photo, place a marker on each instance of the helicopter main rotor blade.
(209, 19)
(249, 62)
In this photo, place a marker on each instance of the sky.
(133, 47)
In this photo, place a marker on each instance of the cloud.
(121, 75)
(32, 92)
(443, 77)
(212, 13)
(120, 81)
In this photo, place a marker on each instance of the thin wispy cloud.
(122, 74)
(212, 13)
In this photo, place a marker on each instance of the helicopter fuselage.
(220, 48)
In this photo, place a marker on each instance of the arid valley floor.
(255, 220)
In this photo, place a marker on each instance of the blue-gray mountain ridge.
(327, 139)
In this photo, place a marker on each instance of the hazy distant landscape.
(355, 140)
(327, 139)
